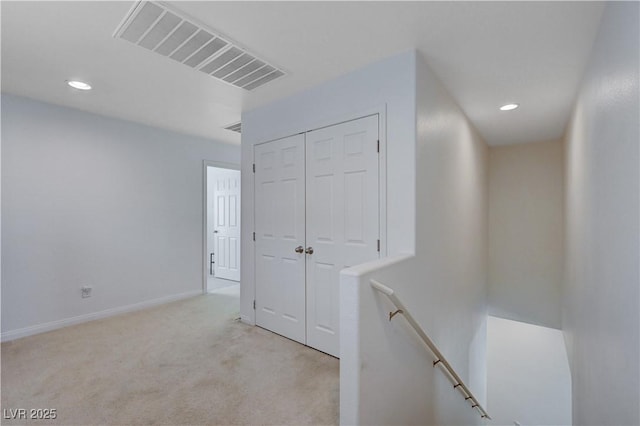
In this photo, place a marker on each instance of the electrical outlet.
(86, 292)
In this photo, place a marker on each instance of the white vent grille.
(235, 127)
(153, 26)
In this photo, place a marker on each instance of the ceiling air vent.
(235, 128)
(155, 27)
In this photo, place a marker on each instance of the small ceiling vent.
(155, 27)
(235, 128)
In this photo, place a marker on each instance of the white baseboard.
(53, 325)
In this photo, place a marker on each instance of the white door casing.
(227, 224)
(210, 240)
(317, 191)
(279, 230)
(342, 218)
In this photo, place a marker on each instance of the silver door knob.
(309, 250)
(299, 249)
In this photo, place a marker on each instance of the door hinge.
(378, 245)
(254, 236)
(254, 167)
(254, 305)
(378, 145)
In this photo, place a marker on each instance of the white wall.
(386, 373)
(387, 85)
(89, 200)
(526, 224)
(601, 293)
(529, 381)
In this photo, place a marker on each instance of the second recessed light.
(509, 107)
(80, 85)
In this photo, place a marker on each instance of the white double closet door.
(316, 212)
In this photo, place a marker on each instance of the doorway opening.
(222, 228)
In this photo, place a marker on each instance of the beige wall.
(526, 232)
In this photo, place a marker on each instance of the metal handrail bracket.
(440, 359)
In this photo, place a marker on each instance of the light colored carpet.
(187, 362)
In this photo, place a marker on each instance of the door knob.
(309, 250)
(299, 249)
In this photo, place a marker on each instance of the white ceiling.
(486, 53)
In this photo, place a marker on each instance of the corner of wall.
(452, 203)
(353, 95)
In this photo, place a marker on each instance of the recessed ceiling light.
(509, 107)
(80, 85)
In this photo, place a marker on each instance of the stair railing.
(440, 359)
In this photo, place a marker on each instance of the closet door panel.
(280, 229)
(342, 202)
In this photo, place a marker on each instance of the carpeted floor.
(187, 362)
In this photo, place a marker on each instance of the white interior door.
(342, 228)
(280, 230)
(227, 224)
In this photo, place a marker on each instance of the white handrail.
(440, 359)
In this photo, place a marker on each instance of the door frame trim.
(205, 194)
